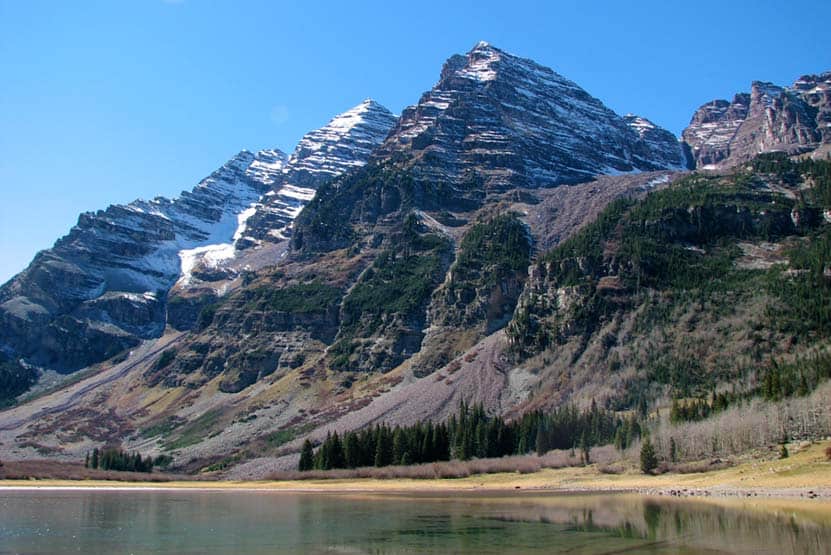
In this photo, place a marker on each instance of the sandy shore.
(805, 475)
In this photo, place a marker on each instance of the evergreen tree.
(306, 456)
(399, 445)
(352, 450)
(649, 460)
(585, 447)
(383, 451)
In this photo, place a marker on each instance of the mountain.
(343, 144)
(508, 240)
(507, 121)
(103, 288)
(770, 118)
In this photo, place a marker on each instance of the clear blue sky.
(104, 102)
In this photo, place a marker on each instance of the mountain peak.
(481, 62)
(513, 122)
(355, 116)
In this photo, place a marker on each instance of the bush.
(165, 359)
(828, 452)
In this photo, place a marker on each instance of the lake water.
(87, 521)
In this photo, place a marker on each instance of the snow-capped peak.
(481, 62)
(639, 124)
(344, 143)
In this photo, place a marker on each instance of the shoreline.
(820, 495)
(806, 475)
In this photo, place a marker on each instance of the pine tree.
(306, 456)
(352, 450)
(383, 450)
(585, 448)
(649, 460)
(399, 445)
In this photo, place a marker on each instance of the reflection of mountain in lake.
(177, 521)
(736, 526)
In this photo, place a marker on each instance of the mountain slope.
(698, 288)
(102, 287)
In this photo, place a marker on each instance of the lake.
(176, 521)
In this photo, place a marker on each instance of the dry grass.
(805, 474)
(700, 466)
(519, 464)
(52, 470)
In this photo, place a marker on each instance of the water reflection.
(259, 522)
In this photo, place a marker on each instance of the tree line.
(118, 459)
(779, 380)
(471, 433)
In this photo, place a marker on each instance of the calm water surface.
(85, 521)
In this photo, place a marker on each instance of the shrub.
(165, 359)
(828, 452)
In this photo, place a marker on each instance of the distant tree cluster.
(794, 171)
(471, 433)
(779, 380)
(118, 459)
(798, 378)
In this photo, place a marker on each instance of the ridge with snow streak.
(345, 143)
(102, 287)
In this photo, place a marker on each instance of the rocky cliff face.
(102, 287)
(343, 144)
(794, 120)
(494, 121)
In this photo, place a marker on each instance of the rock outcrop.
(770, 118)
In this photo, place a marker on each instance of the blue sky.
(104, 102)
